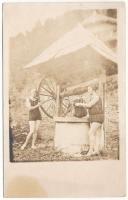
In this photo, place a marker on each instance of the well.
(71, 134)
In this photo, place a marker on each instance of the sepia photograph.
(63, 83)
(64, 99)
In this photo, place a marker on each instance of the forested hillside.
(24, 48)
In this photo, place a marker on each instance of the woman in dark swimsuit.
(33, 105)
(96, 118)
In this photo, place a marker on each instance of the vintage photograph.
(63, 83)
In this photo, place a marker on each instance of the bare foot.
(23, 147)
(33, 147)
(96, 153)
(90, 153)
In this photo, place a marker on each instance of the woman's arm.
(91, 102)
(94, 100)
(28, 105)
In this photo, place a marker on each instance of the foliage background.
(23, 49)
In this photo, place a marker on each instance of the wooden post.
(101, 91)
(102, 95)
(104, 115)
(58, 101)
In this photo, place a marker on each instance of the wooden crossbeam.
(79, 89)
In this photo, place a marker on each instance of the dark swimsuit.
(35, 113)
(96, 113)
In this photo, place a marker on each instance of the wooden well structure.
(81, 57)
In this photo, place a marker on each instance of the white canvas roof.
(76, 39)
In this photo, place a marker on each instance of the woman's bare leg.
(99, 139)
(37, 124)
(32, 128)
(92, 132)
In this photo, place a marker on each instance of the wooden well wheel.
(47, 91)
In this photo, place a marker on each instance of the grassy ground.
(46, 151)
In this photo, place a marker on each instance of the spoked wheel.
(48, 93)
